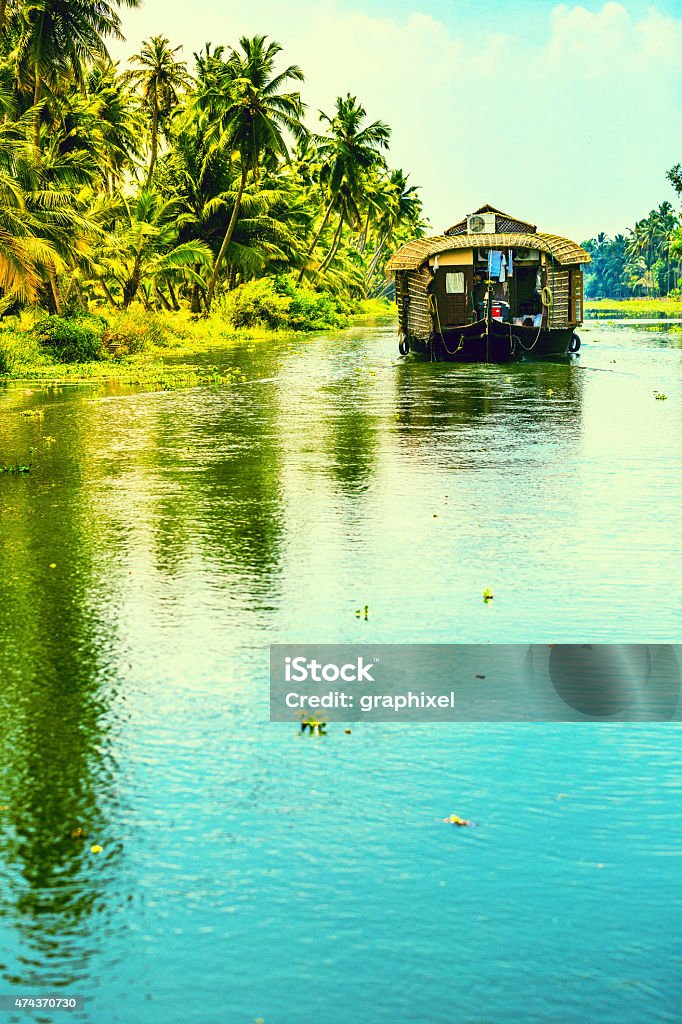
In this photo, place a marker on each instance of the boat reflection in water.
(459, 413)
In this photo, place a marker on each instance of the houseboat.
(491, 289)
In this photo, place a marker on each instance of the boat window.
(454, 283)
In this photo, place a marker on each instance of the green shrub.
(135, 330)
(17, 349)
(279, 304)
(6, 359)
(71, 339)
(256, 304)
(311, 310)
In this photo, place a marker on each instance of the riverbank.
(149, 348)
(635, 308)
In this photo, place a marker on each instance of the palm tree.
(97, 128)
(161, 79)
(252, 117)
(120, 121)
(54, 40)
(143, 247)
(641, 276)
(6, 11)
(22, 253)
(347, 152)
(43, 222)
(403, 206)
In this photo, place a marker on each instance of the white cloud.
(575, 133)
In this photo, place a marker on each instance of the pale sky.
(565, 115)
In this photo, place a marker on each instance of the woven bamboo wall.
(414, 317)
(558, 282)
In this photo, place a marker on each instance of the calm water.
(162, 541)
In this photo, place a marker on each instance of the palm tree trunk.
(334, 249)
(195, 301)
(37, 90)
(362, 241)
(108, 294)
(226, 241)
(155, 142)
(174, 298)
(311, 250)
(133, 283)
(377, 255)
(56, 294)
(162, 298)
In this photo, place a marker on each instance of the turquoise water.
(162, 541)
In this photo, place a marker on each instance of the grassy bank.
(135, 348)
(666, 307)
(147, 348)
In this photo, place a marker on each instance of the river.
(162, 540)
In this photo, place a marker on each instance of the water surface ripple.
(163, 540)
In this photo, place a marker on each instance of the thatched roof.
(503, 222)
(413, 254)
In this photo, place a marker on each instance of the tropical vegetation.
(646, 261)
(172, 183)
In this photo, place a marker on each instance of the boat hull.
(493, 342)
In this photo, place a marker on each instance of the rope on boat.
(547, 301)
(512, 340)
(529, 348)
(433, 308)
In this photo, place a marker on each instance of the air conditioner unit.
(481, 224)
(527, 255)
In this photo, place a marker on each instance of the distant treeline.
(646, 261)
(171, 181)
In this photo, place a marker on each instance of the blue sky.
(565, 114)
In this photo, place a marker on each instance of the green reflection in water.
(55, 771)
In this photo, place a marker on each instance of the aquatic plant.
(315, 726)
(15, 469)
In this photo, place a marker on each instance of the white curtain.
(454, 283)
